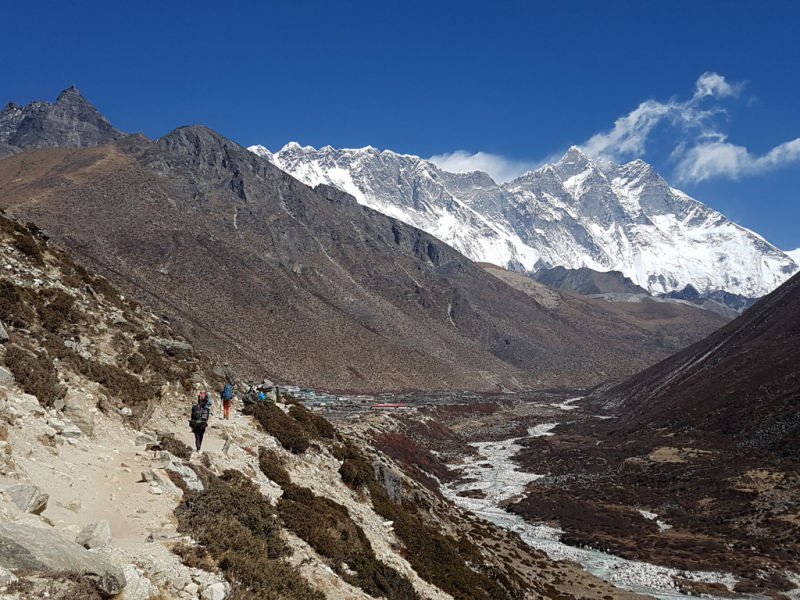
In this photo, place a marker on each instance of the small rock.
(71, 432)
(192, 588)
(28, 498)
(216, 591)
(126, 412)
(6, 577)
(138, 587)
(6, 376)
(56, 424)
(3, 334)
(74, 505)
(95, 535)
(145, 439)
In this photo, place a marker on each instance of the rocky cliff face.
(574, 213)
(70, 122)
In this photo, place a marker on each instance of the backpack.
(199, 418)
(227, 393)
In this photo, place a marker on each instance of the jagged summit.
(574, 213)
(72, 121)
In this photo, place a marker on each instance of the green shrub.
(327, 527)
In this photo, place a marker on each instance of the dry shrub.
(55, 309)
(16, 305)
(327, 527)
(241, 531)
(272, 466)
(282, 427)
(316, 426)
(453, 565)
(25, 243)
(195, 557)
(168, 442)
(57, 585)
(117, 382)
(35, 375)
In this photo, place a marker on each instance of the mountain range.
(305, 284)
(576, 213)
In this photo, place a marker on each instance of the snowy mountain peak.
(574, 213)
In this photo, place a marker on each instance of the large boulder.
(81, 417)
(28, 498)
(172, 347)
(24, 546)
(169, 462)
(159, 480)
(95, 535)
(389, 480)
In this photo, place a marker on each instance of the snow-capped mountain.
(574, 213)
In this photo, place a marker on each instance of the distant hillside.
(587, 281)
(741, 385)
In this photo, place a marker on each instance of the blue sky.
(708, 92)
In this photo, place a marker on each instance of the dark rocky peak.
(71, 122)
(212, 153)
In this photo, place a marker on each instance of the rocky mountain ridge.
(70, 122)
(574, 213)
(305, 285)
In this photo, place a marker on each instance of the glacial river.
(497, 476)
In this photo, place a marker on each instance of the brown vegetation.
(327, 527)
(241, 531)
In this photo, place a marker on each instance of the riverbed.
(495, 473)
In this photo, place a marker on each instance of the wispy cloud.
(701, 150)
(499, 168)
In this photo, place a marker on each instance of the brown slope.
(708, 439)
(302, 285)
(741, 385)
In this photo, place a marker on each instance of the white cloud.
(721, 158)
(701, 150)
(499, 168)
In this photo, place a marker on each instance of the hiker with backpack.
(199, 419)
(226, 396)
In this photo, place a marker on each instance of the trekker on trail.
(226, 396)
(199, 419)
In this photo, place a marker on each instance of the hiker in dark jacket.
(199, 419)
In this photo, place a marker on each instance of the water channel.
(495, 473)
